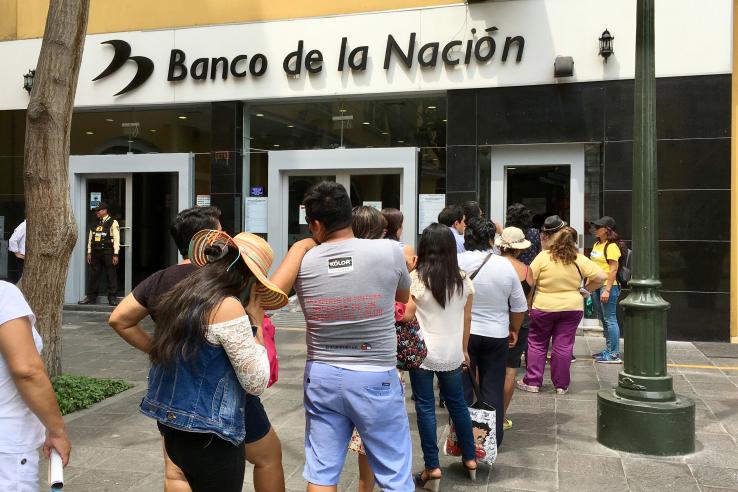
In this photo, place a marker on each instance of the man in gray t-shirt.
(347, 288)
(347, 291)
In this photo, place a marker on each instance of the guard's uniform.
(102, 243)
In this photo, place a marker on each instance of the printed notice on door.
(256, 214)
(429, 206)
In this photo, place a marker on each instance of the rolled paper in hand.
(56, 471)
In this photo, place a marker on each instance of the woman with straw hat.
(207, 354)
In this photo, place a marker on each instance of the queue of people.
(482, 303)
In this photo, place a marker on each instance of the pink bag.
(267, 330)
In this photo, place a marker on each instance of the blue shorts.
(336, 401)
(256, 420)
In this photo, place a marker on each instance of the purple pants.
(560, 327)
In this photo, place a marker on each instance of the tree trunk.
(51, 229)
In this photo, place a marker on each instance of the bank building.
(410, 104)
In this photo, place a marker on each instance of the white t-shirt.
(20, 429)
(17, 241)
(498, 291)
(442, 328)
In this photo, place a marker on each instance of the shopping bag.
(484, 425)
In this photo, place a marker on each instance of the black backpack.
(624, 263)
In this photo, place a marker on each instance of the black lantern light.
(28, 80)
(606, 45)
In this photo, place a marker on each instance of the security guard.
(103, 244)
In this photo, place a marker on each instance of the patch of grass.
(77, 392)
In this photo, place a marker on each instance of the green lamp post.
(643, 414)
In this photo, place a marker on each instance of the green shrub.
(77, 392)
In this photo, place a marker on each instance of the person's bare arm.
(596, 282)
(125, 321)
(402, 295)
(286, 274)
(410, 308)
(467, 326)
(605, 296)
(255, 311)
(516, 320)
(29, 375)
(411, 259)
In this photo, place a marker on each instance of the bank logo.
(341, 265)
(145, 67)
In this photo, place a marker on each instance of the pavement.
(551, 447)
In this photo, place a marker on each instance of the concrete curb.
(138, 387)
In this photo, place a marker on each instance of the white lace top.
(248, 358)
(442, 328)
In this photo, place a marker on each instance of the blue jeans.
(607, 313)
(452, 389)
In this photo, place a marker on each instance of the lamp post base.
(645, 427)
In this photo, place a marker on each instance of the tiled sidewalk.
(552, 445)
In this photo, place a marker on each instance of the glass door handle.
(125, 245)
(124, 227)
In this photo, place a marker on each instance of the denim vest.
(199, 395)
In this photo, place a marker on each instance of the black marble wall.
(693, 125)
(226, 163)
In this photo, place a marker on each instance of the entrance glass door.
(297, 226)
(548, 179)
(368, 187)
(375, 190)
(544, 190)
(115, 191)
(382, 177)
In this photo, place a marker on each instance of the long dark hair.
(478, 234)
(614, 237)
(438, 267)
(183, 313)
(394, 220)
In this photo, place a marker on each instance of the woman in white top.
(29, 414)
(498, 310)
(441, 299)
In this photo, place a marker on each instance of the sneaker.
(525, 387)
(561, 391)
(609, 359)
(598, 354)
(573, 358)
(507, 424)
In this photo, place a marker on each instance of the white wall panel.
(693, 37)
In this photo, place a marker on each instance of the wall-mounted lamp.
(28, 80)
(606, 45)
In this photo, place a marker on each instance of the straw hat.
(512, 238)
(255, 252)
